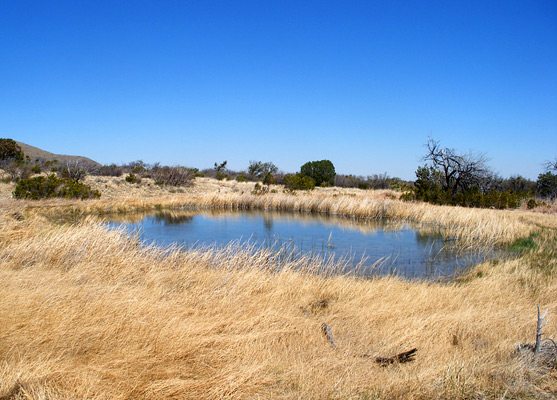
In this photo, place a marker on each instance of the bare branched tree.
(459, 171)
(551, 165)
(73, 171)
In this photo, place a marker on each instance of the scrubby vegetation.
(109, 170)
(298, 182)
(173, 176)
(547, 185)
(42, 187)
(452, 178)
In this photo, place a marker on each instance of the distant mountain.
(35, 153)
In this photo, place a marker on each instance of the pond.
(371, 246)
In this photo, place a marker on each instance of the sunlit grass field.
(90, 313)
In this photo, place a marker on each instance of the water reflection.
(369, 246)
(172, 218)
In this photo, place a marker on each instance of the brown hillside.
(35, 153)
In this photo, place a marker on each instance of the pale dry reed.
(90, 313)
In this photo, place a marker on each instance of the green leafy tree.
(322, 172)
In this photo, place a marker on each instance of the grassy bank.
(89, 313)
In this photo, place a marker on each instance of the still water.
(371, 246)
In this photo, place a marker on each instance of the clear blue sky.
(362, 83)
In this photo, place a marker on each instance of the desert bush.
(258, 170)
(241, 178)
(269, 179)
(172, 176)
(321, 172)
(110, 170)
(42, 187)
(73, 189)
(471, 198)
(74, 172)
(259, 189)
(139, 169)
(36, 169)
(532, 203)
(17, 171)
(133, 178)
(298, 182)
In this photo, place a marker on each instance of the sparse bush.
(110, 170)
(299, 182)
(241, 178)
(76, 173)
(17, 171)
(133, 178)
(36, 169)
(139, 169)
(531, 204)
(173, 176)
(42, 187)
(258, 189)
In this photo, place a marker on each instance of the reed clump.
(91, 313)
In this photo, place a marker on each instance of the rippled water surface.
(375, 247)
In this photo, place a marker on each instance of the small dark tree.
(10, 151)
(547, 185)
(428, 184)
(220, 170)
(269, 179)
(322, 172)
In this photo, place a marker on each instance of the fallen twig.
(404, 357)
(326, 329)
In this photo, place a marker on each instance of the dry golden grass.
(88, 313)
